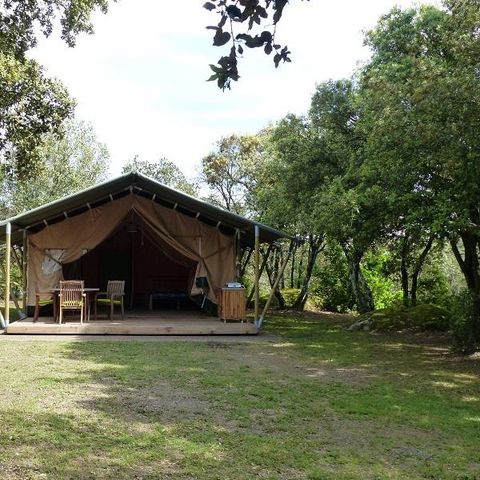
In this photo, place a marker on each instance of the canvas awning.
(65, 230)
(139, 185)
(210, 250)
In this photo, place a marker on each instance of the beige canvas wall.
(213, 251)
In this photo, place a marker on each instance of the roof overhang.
(138, 184)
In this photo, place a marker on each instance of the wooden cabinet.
(231, 304)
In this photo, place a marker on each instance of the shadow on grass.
(54, 445)
(217, 419)
(294, 409)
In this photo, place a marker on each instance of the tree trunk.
(299, 272)
(278, 262)
(315, 245)
(469, 264)
(271, 274)
(292, 270)
(404, 271)
(418, 268)
(361, 290)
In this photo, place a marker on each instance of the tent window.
(52, 261)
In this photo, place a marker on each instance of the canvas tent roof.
(138, 184)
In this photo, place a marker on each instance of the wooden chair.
(71, 297)
(114, 296)
(42, 299)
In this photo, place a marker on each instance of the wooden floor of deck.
(136, 323)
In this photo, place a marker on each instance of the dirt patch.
(17, 472)
(271, 360)
(144, 403)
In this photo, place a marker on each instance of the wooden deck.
(136, 323)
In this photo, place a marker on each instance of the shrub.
(376, 270)
(330, 284)
(314, 302)
(290, 295)
(420, 318)
(264, 297)
(461, 308)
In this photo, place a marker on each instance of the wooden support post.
(275, 285)
(262, 268)
(257, 271)
(24, 271)
(8, 243)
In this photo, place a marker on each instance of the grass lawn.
(318, 403)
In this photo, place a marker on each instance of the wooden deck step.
(134, 326)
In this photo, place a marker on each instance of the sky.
(140, 79)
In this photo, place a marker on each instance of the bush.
(330, 286)
(290, 295)
(314, 302)
(461, 309)
(376, 270)
(426, 317)
(433, 286)
(264, 297)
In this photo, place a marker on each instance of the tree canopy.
(31, 104)
(164, 171)
(73, 162)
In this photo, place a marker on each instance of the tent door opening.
(156, 277)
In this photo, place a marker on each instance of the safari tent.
(134, 228)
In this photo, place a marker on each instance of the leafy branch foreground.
(317, 402)
(245, 14)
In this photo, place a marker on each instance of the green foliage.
(290, 295)
(22, 21)
(421, 105)
(32, 105)
(232, 172)
(73, 162)
(385, 290)
(433, 284)
(164, 171)
(263, 297)
(330, 282)
(425, 317)
(463, 328)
